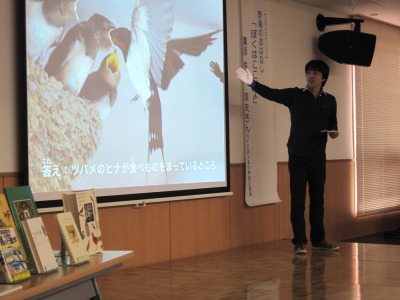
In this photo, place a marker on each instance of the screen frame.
(133, 198)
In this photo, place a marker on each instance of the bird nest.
(64, 132)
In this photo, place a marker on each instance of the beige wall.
(8, 89)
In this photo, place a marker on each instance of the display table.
(71, 282)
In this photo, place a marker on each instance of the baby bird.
(45, 24)
(100, 88)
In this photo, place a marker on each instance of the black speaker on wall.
(348, 47)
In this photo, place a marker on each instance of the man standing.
(313, 118)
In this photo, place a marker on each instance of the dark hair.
(320, 66)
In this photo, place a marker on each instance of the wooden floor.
(268, 271)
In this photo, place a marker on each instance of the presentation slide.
(126, 97)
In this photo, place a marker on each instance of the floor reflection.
(265, 272)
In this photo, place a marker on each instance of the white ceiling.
(387, 11)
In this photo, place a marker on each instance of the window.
(377, 124)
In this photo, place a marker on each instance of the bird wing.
(62, 52)
(154, 18)
(93, 88)
(193, 46)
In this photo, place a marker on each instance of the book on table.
(71, 238)
(7, 220)
(23, 206)
(13, 267)
(39, 243)
(84, 208)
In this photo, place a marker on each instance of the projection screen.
(126, 97)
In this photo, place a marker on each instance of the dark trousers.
(305, 170)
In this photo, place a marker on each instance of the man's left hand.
(333, 134)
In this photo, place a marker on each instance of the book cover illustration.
(24, 209)
(13, 265)
(6, 219)
(39, 242)
(22, 205)
(89, 221)
(72, 234)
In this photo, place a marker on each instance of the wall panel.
(250, 225)
(199, 227)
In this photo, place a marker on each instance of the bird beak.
(113, 62)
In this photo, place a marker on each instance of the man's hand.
(244, 75)
(333, 134)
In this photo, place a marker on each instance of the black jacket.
(309, 116)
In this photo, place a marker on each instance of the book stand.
(63, 257)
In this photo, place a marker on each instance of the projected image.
(125, 96)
